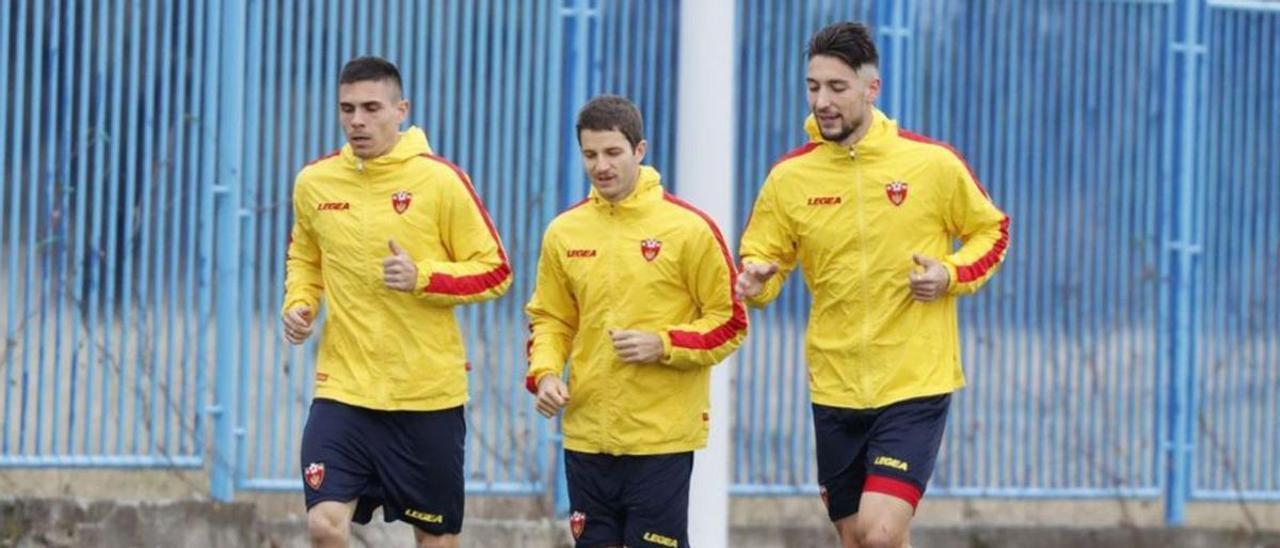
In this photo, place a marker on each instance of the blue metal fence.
(1125, 145)
(1062, 350)
(773, 434)
(105, 246)
(490, 106)
(1235, 297)
(1127, 349)
(486, 80)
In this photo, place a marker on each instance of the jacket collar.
(647, 191)
(878, 138)
(412, 142)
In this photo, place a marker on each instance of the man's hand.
(753, 277)
(929, 282)
(552, 396)
(636, 346)
(398, 270)
(297, 324)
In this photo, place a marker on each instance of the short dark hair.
(370, 68)
(847, 41)
(609, 113)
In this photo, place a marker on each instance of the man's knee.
(847, 530)
(883, 520)
(436, 541)
(327, 527)
(879, 538)
(880, 534)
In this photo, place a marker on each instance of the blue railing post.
(578, 18)
(892, 27)
(1186, 53)
(227, 222)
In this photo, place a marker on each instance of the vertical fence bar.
(82, 136)
(8, 196)
(200, 241)
(21, 123)
(230, 32)
(146, 373)
(127, 367)
(1186, 52)
(49, 296)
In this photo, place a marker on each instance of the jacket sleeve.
(769, 238)
(709, 273)
(478, 269)
(553, 317)
(981, 227)
(303, 285)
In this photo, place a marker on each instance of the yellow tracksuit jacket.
(381, 348)
(851, 218)
(650, 262)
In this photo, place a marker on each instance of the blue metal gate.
(1130, 339)
(1129, 348)
(495, 85)
(105, 240)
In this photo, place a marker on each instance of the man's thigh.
(657, 500)
(420, 468)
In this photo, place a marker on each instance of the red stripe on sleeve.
(474, 283)
(798, 151)
(330, 154)
(737, 322)
(922, 139)
(979, 268)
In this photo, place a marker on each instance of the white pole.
(706, 132)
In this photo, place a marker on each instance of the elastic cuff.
(424, 275)
(531, 381)
(951, 275)
(666, 347)
(531, 384)
(893, 487)
(290, 305)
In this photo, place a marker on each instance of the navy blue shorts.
(632, 500)
(889, 450)
(408, 462)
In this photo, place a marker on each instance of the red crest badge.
(577, 522)
(897, 192)
(314, 475)
(400, 201)
(650, 248)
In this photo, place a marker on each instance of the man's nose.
(821, 100)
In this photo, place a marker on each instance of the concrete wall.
(124, 508)
(64, 522)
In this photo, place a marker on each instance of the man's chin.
(835, 136)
